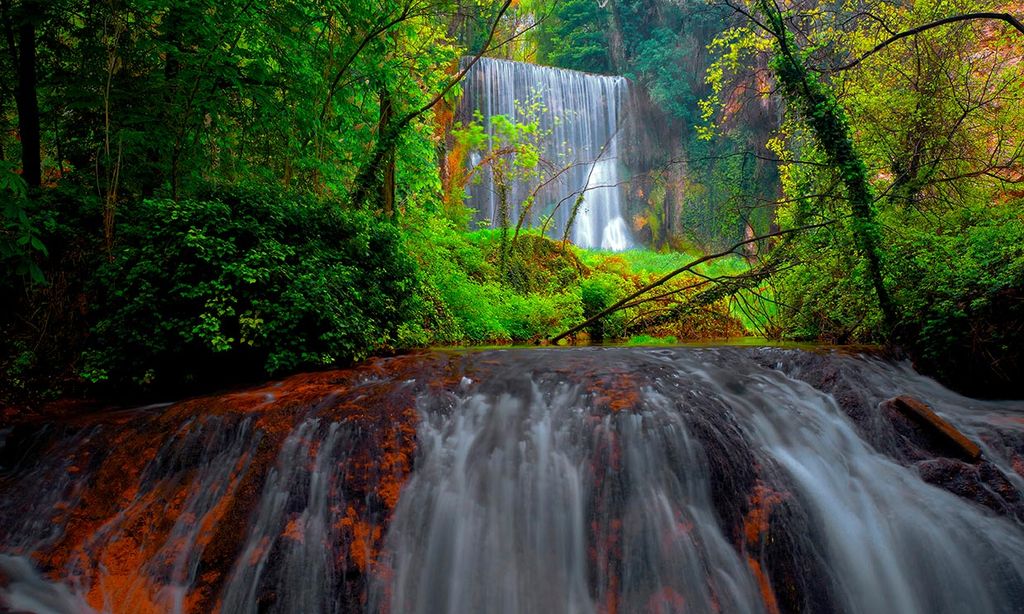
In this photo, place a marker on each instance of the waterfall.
(580, 117)
(585, 480)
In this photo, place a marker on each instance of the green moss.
(649, 340)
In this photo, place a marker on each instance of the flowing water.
(579, 117)
(577, 480)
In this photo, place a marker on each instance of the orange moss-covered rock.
(140, 511)
(755, 529)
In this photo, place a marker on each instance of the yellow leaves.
(734, 49)
(776, 145)
(708, 107)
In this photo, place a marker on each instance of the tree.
(20, 24)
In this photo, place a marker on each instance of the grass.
(471, 304)
(649, 261)
(649, 340)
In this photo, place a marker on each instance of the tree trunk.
(368, 177)
(387, 188)
(827, 121)
(22, 48)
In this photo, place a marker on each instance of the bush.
(19, 237)
(43, 324)
(963, 302)
(470, 301)
(600, 291)
(245, 281)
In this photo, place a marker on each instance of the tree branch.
(1007, 17)
(386, 142)
(618, 305)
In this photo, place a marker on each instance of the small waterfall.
(584, 480)
(534, 494)
(580, 116)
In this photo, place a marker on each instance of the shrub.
(19, 237)
(535, 316)
(599, 292)
(963, 302)
(43, 324)
(245, 281)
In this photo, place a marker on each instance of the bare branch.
(1008, 18)
(662, 280)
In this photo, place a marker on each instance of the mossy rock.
(539, 264)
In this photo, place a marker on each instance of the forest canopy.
(277, 186)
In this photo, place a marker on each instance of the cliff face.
(683, 190)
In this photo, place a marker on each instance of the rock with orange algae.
(665, 601)
(137, 513)
(755, 529)
(380, 413)
(615, 390)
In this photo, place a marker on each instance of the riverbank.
(249, 283)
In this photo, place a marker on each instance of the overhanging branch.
(1007, 17)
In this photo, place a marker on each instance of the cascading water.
(580, 116)
(578, 480)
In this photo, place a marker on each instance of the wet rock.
(982, 483)
(646, 477)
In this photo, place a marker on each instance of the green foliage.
(829, 297)
(42, 325)
(20, 242)
(575, 35)
(637, 261)
(249, 281)
(660, 66)
(144, 104)
(599, 292)
(962, 296)
(647, 340)
(161, 97)
(470, 301)
(910, 153)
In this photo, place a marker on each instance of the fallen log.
(921, 414)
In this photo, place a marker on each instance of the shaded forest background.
(197, 193)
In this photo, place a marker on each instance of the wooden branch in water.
(925, 417)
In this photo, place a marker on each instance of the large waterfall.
(579, 117)
(590, 480)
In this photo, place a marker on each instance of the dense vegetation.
(914, 157)
(199, 192)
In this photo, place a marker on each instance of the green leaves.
(19, 237)
(575, 35)
(247, 279)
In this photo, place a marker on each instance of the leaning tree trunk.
(831, 130)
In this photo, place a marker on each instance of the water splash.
(582, 113)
